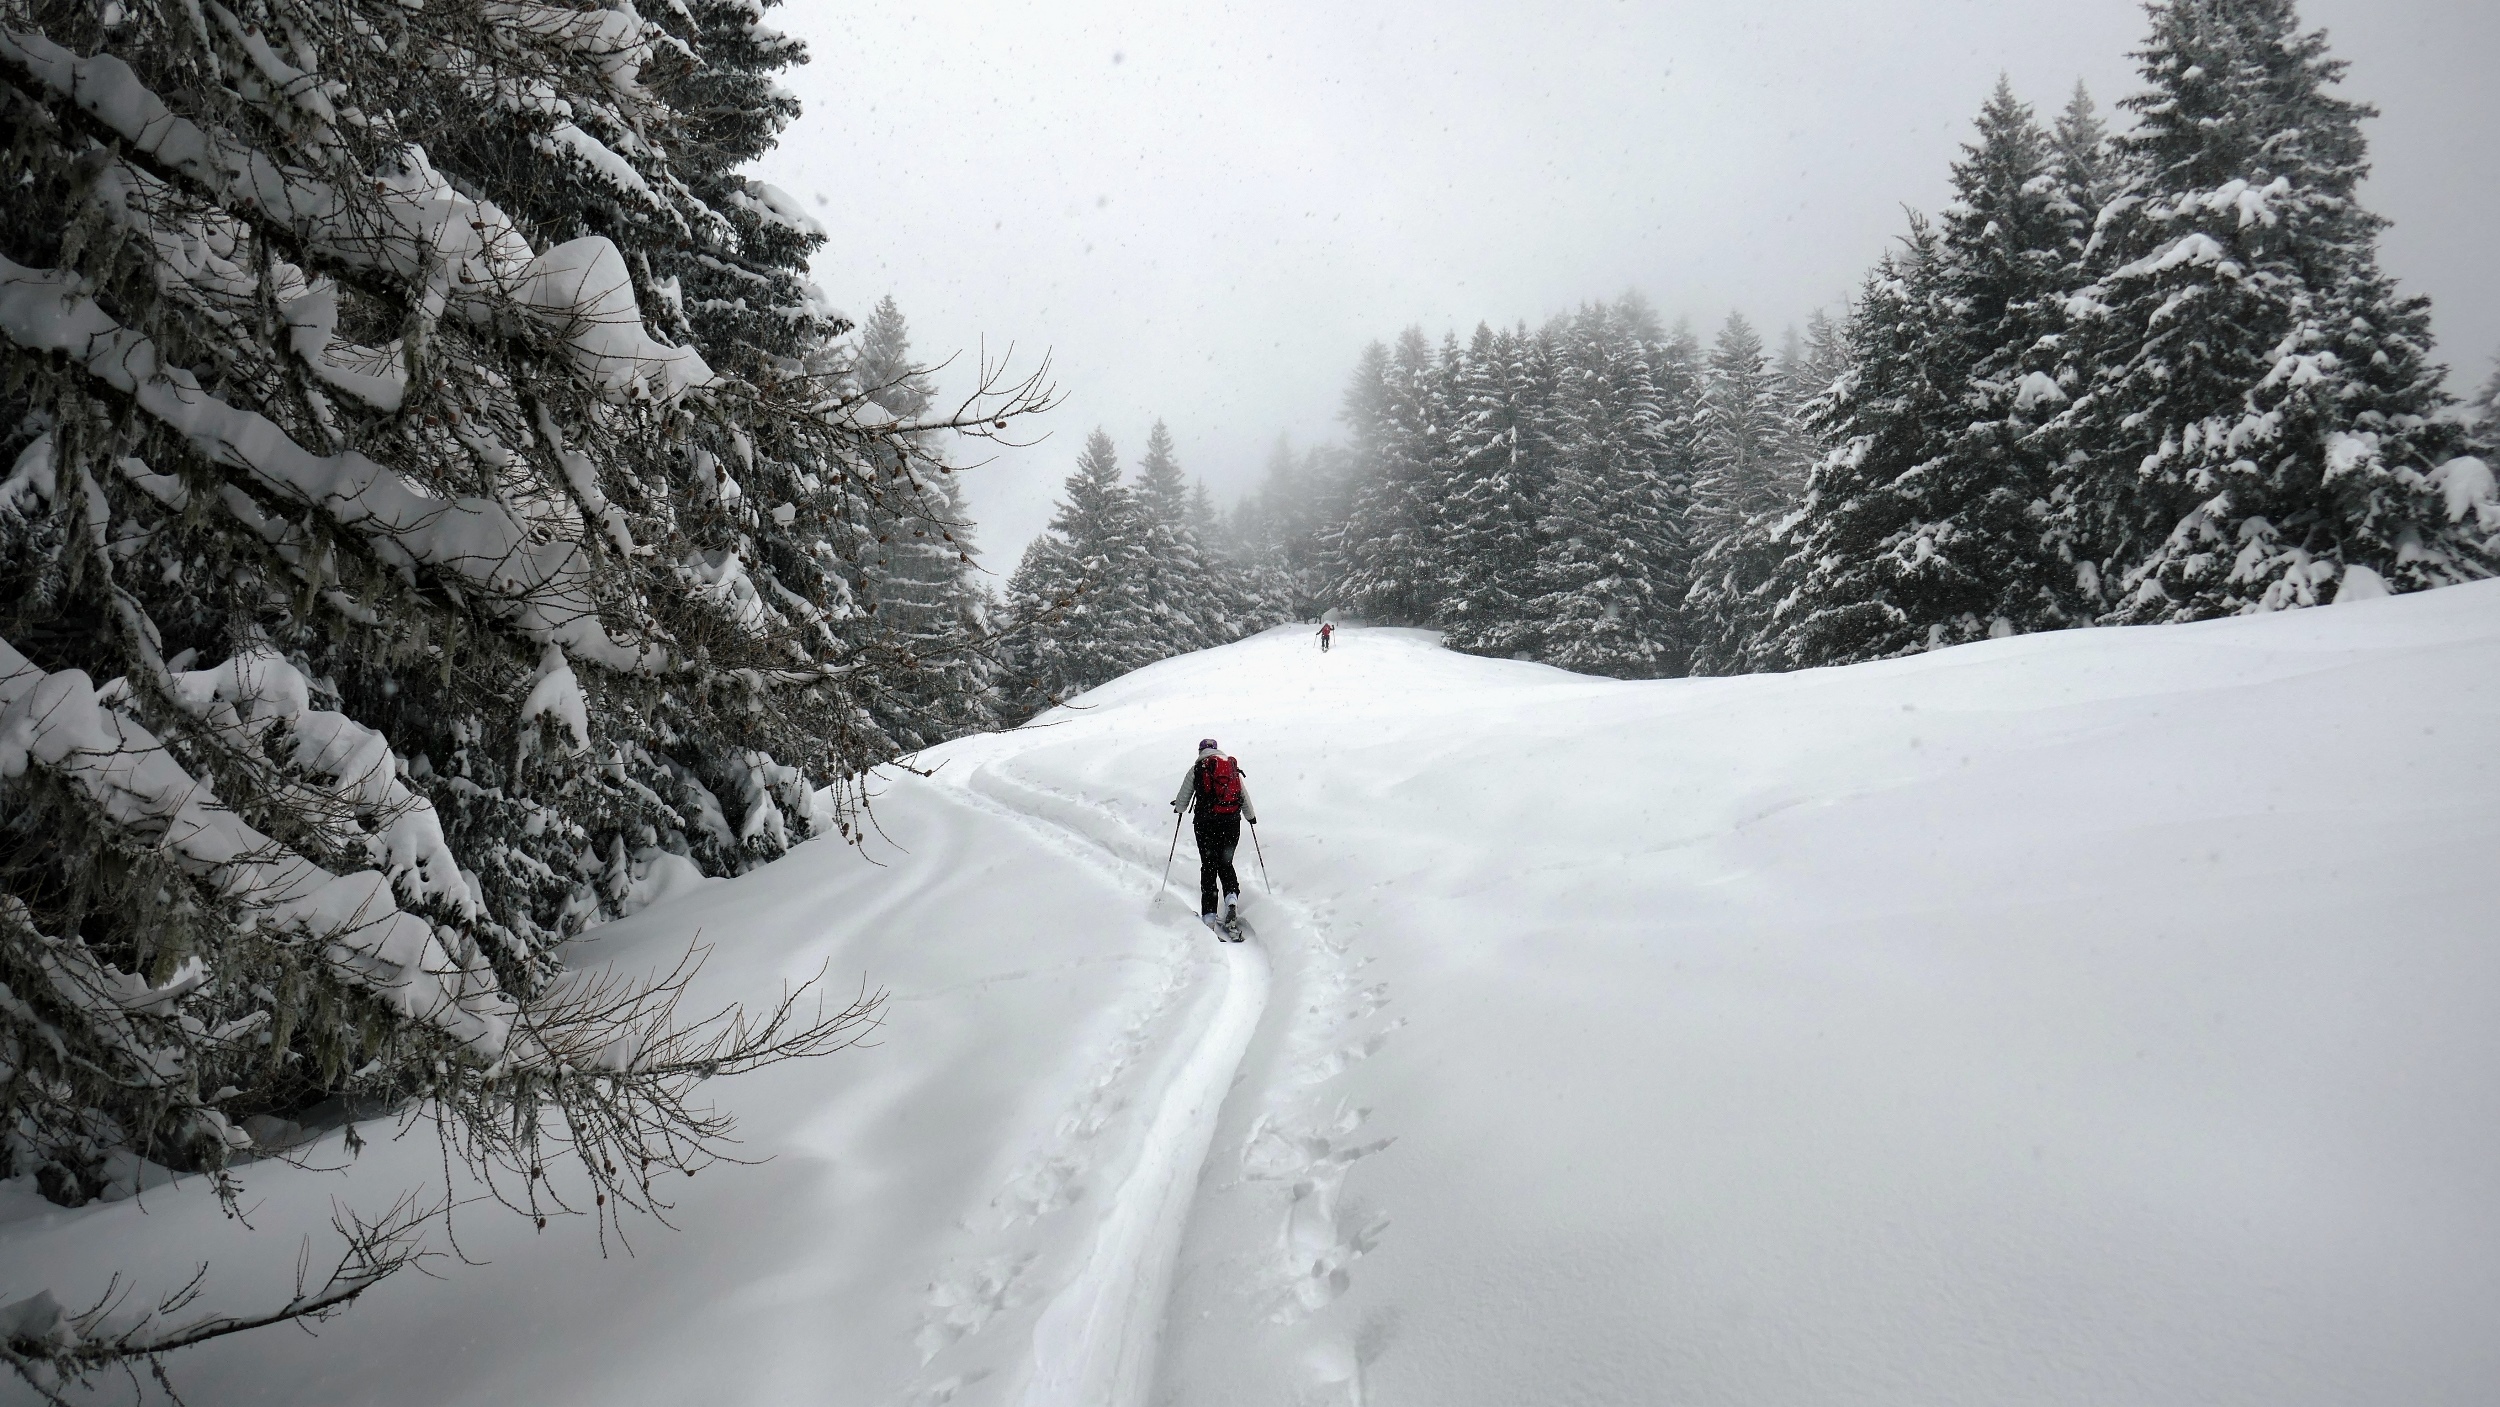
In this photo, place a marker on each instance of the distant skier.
(1213, 796)
(1327, 629)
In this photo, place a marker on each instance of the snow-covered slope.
(2097, 1017)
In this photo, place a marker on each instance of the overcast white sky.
(1204, 211)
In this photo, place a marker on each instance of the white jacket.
(1188, 794)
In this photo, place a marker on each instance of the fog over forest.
(1204, 214)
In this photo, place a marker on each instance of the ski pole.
(1168, 854)
(1260, 851)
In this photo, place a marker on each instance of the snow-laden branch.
(58, 721)
(544, 587)
(458, 254)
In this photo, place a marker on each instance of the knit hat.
(1208, 745)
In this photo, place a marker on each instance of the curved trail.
(1095, 1343)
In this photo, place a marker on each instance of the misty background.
(1203, 216)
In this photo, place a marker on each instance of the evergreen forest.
(2123, 377)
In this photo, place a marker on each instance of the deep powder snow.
(2094, 1017)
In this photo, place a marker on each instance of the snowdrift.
(2104, 1016)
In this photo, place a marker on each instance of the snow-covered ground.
(2100, 1017)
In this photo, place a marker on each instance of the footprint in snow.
(1336, 1062)
(965, 1302)
(938, 1394)
(1036, 1190)
(1315, 1247)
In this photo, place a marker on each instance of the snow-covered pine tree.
(1744, 452)
(1820, 357)
(1678, 369)
(2484, 415)
(1222, 557)
(1255, 595)
(1612, 567)
(2022, 197)
(1077, 602)
(1928, 524)
(1789, 366)
(402, 570)
(1744, 438)
(2082, 175)
(2473, 498)
(1501, 475)
(2081, 165)
(1190, 609)
(2255, 402)
(740, 285)
(1389, 555)
(1797, 390)
(916, 576)
(1375, 503)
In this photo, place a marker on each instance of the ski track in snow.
(1094, 1341)
(1303, 1141)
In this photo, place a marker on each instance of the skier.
(1326, 629)
(1212, 795)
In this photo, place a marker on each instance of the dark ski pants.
(1218, 837)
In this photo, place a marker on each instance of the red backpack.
(1219, 785)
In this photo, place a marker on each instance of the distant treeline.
(1125, 575)
(2119, 379)
(2151, 377)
